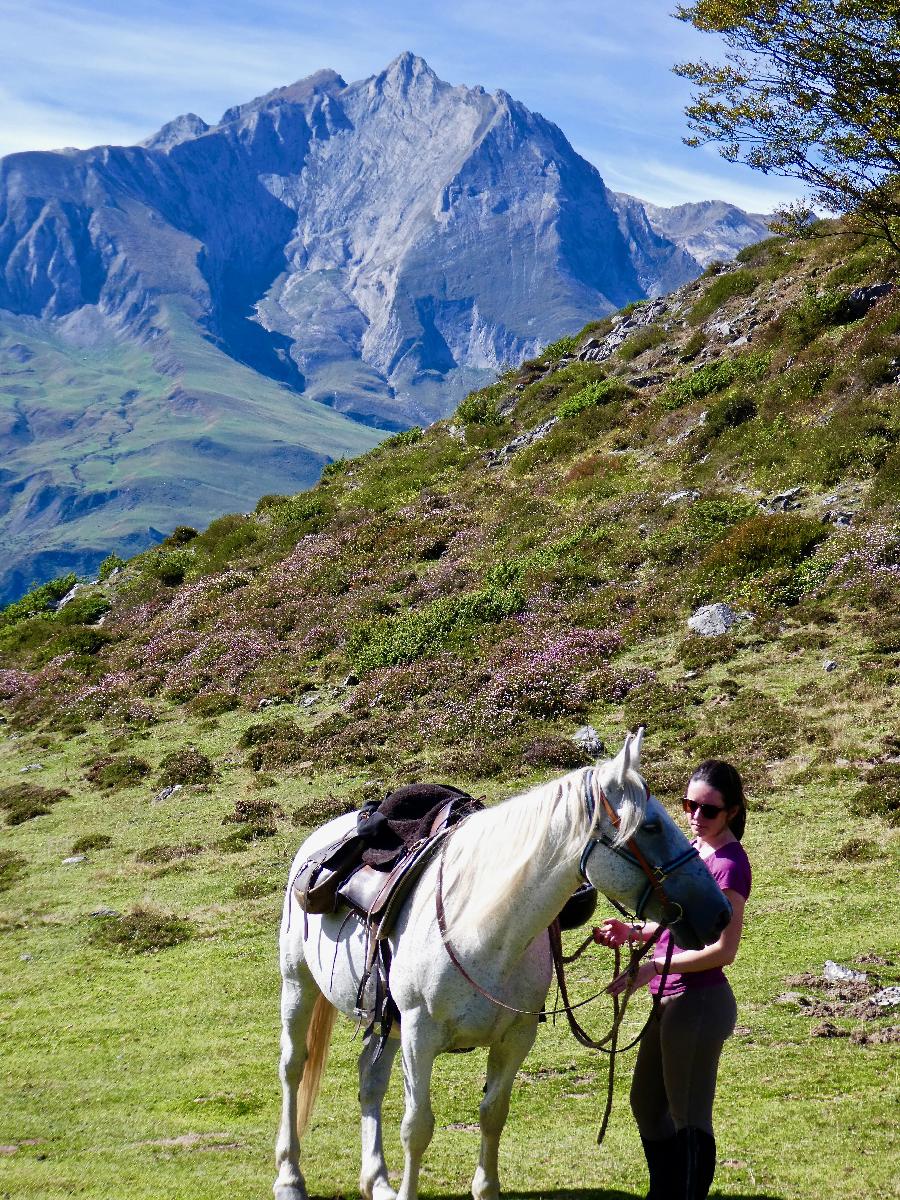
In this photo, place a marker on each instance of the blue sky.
(86, 72)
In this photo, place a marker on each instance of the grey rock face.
(382, 245)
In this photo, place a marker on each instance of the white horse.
(507, 871)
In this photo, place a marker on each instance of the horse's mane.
(490, 858)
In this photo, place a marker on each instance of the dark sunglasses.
(708, 811)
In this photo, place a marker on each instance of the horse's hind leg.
(504, 1059)
(298, 997)
(373, 1083)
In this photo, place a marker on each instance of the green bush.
(164, 853)
(91, 841)
(111, 563)
(599, 391)
(450, 620)
(697, 527)
(693, 346)
(142, 931)
(180, 536)
(714, 377)
(213, 704)
(727, 412)
(806, 319)
(406, 437)
(760, 544)
(292, 510)
(168, 566)
(736, 283)
(563, 347)
(38, 601)
(479, 408)
(115, 771)
(24, 801)
(188, 765)
(85, 609)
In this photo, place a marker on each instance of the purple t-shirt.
(730, 868)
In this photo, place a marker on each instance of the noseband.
(632, 853)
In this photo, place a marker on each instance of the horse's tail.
(318, 1039)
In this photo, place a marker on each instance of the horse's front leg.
(420, 1042)
(504, 1059)
(373, 1083)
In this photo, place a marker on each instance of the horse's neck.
(551, 877)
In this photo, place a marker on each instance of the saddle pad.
(379, 896)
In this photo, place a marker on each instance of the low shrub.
(322, 809)
(167, 566)
(549, 751)
(855, 849)
(111, 563)
(39, 600)
(693, 346)
(188, 765)
(563, 347)
(91, 841)
(449, 620)
(479, 408)
(697, 527)
(213, 704)
(735, 283)
(805, 320)
(599, 391)
(12, 868)
(641, 341)
(880, 796)
(761, 544)
(714, 376)
(255, 888)
(699, 653)
(406, 437)
(727, 412)
(142, 931)
(273, 744)
(85, 609)
(24, 801)
(114, 771)
(180, 536)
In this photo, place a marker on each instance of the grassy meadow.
(452, 606)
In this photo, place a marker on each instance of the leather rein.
(656, 877)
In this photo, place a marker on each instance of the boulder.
(712, 620)
(589, 740)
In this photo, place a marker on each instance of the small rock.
(838, 517)
(784, 501)
(70, 595)
(743, 340)
(687, 494)
(106, 912)
(712, 620)
(169, 791)
(25, 958)
(835, 973)
(589, 740)
(310, 699)
(31, 767)
(829, 665)
(887, 997)
(351, 680)
(74, 859)
(720, 328)
(266, 702)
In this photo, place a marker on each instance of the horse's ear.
(636, 749)
(624, 761)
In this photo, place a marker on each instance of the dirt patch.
(193, 1141)
(877, 1037)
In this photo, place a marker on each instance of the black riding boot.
(694, 1164)
(660, 1163)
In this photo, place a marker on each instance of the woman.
(675, 1074)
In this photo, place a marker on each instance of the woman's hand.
(615, 933)
(624, 983)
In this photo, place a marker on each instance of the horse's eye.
(651, 827)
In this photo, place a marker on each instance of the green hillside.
(111, 443)
(453, 605)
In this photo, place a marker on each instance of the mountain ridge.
(369, 251)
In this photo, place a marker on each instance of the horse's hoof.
(290, 1191)
(376, 1189)
(484, 1188)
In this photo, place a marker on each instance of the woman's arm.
(720, 954)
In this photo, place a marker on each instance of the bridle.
(632, 853)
